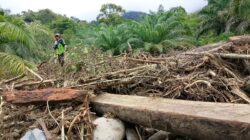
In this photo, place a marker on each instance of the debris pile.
(72, 117)
(213, 73)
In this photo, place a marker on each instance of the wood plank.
(199, 120)
(51, 94)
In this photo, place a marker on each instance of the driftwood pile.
(213, 73)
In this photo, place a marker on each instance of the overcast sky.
(89, 9)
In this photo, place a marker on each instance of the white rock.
(35, 134)
(160, 135)
(131, 134)
(108, 129)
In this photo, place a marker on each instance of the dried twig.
(113, 74)
(138, 133)
(144, 61)
(46, 132)
(199, 81)
(81, 131)
(126, 71)
(233, 74)
(14, 79)
(34, 73)
(17, 86)
(51, 114)
(72, 123)
(62, 130)
(241, 94)
(1, 104)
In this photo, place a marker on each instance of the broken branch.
(241, 94)
(143, 61)
(45, 130)
(223, 55)
(18, 86)
(14, 79)
(34, 73)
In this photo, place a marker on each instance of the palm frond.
(11, 32)
(36, 28)
(12, 64)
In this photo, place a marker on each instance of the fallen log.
(126, 71)
(233, 56)
(224, 55)
(144, 61)
(199, 120)
(13, 79)
(21, 85)
(240, 40)
(113, 74)
(44, 95)
(210, 48)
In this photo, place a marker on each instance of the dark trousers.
(61, 59)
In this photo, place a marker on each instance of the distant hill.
(134, 15)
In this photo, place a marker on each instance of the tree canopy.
(110, 14)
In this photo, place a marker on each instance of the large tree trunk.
(51, 94)
(200, 120)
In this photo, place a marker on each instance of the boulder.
(108, 129)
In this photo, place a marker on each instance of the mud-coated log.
(51, 94)
(199, 120)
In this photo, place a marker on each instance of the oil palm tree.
(165, 29)
(113, 38)
(16, 41)
(13, 29)
(224, 16)
(214, 17)
(239, 16)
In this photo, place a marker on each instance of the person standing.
(60, 48)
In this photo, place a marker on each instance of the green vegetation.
(28, 37)
(110, 14)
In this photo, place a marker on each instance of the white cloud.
(88, 10)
